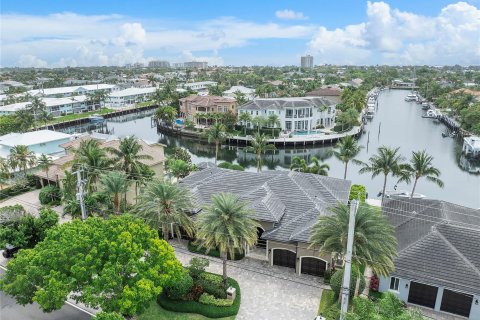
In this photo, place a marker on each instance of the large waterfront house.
(295, 114)
(54, 106)
(438, 263)
(72, 90)
(193, 106)
(43, 141)
(199, 86)
(471, 146)
(129, 97)
(56, 172)
(286, 204)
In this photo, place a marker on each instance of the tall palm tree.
(245, 118)
(4, 171)
(315, 166)
(44, 163)
(216, 134)
(346, 150)
(36, 108)
(93, 159)
(22, 157)
(299, 164)
(114, 183)
(227, 225)
(258, 122)
(274, 121)
(421, 166)
(386, 161)
(374, 241)
(259, 145)
(164, 205)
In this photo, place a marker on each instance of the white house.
(295, 114)
(471, 146)
(72, 90)
(54, 106)
(42, 141)
(129, 97)
(199, 86)
(248, 92)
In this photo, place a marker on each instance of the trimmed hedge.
(51, 195)
(203, 309)
(213, 252)
(210, 300)
(20, 186)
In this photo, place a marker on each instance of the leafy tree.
(216, 90)
(259, 145)
(13, 123)
(163, 204)
(197, 266)
(227, 225)
(24, 119)
(50, 195)
(347, 119)
(44, 162)
(346, 150)
(21, 157)
(179, 168)
(114, 183)
(240, 98)
(386, 161)
(98, 97)
(420, 166)
(167, 114)
(117, 265)
(374, 241)
(180, 153)
(216, 134)
(108, 316)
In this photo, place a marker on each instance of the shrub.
(20, 186)
(374, 282)
(108, 316)
(224, 165)
(337, 279)
(332, 313)
(192, 247)
(212, 284)
(358, 189)
(206, 298)
(237, 167)
(195, 292)
(50, 195)
(326, 276)
(180, 288)
(197, 266)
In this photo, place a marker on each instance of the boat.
(425, 105)
(411, 97)
(430, 114)
(370, 112)
(96, 118)
(402, 194)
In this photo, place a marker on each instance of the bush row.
(192, 247)
(210, 300)
(20, 186)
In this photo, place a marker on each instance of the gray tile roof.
(282, 103)
(293, 201)
(438, 242)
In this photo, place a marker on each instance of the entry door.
(456, 303)
(284, 258)
(422, 294)
(313, 266)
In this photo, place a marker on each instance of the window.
(394, 283)
(288, 125)
(289, 113)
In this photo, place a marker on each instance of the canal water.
(396, 124)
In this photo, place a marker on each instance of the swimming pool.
(305, 133)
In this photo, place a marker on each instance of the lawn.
(70, 117)
(326, 301)
(155, 312)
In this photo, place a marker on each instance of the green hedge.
(22, 185)
(203, 309)
(210, 300)
(50, 195)
(214, 252)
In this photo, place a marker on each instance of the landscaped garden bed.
(192, 247)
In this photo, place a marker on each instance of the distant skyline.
(89, 33)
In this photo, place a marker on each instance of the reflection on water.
(396, 124)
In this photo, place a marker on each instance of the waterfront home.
(295, 114)
(193, 106)
(72, 90)
(129, 97)
(471, 146)
(42, 141)
(329, 93)
(249, 93)
(438, 263)
(285, 203)
(56, 172)
(54, 106)
(199, 86)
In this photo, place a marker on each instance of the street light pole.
(81, 193)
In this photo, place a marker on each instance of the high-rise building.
(195, 64)
(306, 61)
(159, 64)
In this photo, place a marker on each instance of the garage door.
(422, 294)
(284, 258)
(313, 266)
(456, 302)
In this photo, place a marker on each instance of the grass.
(327, 300)
(70, 117)
(156, 312)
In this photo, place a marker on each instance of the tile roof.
(293, 201)
(325, 92)
(438, 243)
(282, 103)
(206, 101)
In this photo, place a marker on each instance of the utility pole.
(348, 261)
(80, 194)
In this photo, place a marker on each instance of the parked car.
(10, 251)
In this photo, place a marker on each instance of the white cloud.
(28, 60)
(395, 37)
(290, 15)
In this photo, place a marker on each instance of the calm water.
(397, 124)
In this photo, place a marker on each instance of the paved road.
(12, 311)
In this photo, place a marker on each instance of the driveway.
(268, 293)
(30, 202)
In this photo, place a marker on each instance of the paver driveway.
(30, 202)
(268, 293)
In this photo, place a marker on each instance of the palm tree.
(227, 225)
(4, 171)
(114, 183)
(152, 80)
(44, 163)
(345, 150)
(386, 161)
(421, 166)
(315, 166)
(36, 108)
(299, 164)
(259, 145)
(374, 241)
(22, 157)
(164, 205)
(258, 122)
(167, 114)
(216, 134)
(245, 118)
(93, 159)
(274, 121)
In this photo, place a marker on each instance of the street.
(10, 310)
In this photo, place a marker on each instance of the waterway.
(396, 124)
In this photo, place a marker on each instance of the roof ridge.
(289, 222)
(467, 261)
(290, 174)
(419, 239)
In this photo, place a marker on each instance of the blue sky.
(60, 33)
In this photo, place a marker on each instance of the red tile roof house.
(332, 94)
(191, 107)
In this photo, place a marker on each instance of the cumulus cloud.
(392, 36)
(28, 61)
(290, 15)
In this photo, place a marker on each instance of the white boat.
(411, 97)
(96, 118)
(402, 194)
(370, 112)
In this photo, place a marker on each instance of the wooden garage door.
(313, 266)
(284, 258)
(456, 303)
(422, 294)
